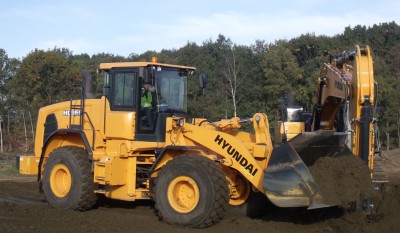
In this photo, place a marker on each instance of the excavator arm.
(361, 106)
(345, 100)
(341, 125)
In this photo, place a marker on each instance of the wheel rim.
(60, 180)
(183, 194)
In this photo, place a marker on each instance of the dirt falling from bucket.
(342, 180)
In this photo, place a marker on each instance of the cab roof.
(108, 66)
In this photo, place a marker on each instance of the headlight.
(179, 122)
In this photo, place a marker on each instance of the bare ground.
(23, 209)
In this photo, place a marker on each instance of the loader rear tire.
(191, 191)
(68, 180)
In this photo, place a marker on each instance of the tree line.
(241, 79)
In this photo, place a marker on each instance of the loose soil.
(342, 180)
(23, 209)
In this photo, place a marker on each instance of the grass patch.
(8, 168)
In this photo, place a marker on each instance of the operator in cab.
(147, 103)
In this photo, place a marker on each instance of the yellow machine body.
(115, 152)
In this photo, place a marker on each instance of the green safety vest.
(146, 99)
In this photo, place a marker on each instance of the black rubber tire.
(81, 196)
(213, 189)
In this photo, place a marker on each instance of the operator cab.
(154, 91)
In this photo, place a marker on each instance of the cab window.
(124, 91)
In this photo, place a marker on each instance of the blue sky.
(125, 27)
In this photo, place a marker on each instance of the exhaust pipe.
(88, 84)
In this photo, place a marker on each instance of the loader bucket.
(288, 181)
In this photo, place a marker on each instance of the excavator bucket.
(288, 181)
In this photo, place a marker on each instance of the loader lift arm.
(279, 174)
(249, 158)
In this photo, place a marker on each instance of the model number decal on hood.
(75, 112)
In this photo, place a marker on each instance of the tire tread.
(215, 173)
(86, 198)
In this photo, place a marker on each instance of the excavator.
(192, 170)
(344, 110)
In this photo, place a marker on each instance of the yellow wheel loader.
(135, 143)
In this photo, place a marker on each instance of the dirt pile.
(384, 220)
(387, 206)
(342, 180)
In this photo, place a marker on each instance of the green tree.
(8, 69)
(44, 77)
(253, 98)
(282, 74)
(241, 79)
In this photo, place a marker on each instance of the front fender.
(61, 138)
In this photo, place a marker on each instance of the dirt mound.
(391, 153)
(389, 200)
(342, 180)
(390, 163)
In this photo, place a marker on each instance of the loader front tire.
(191, 191)
(68, 180)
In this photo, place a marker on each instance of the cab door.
(120, 117)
